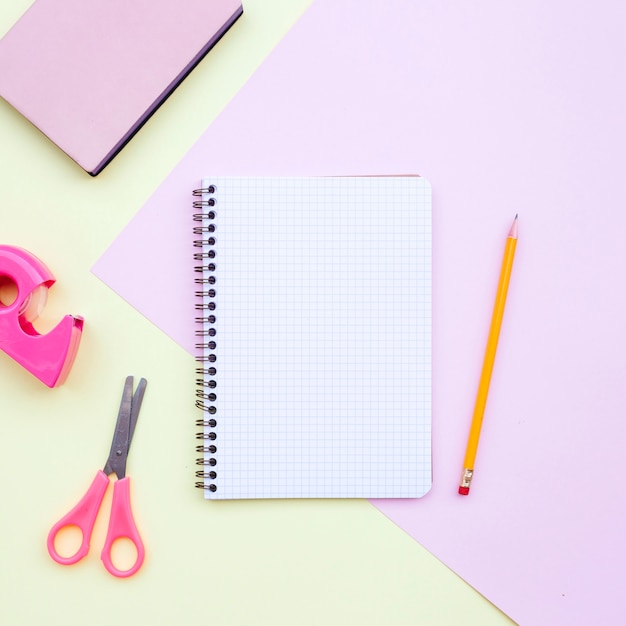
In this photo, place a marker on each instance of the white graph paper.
(323, 337)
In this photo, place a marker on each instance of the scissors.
(121, 523)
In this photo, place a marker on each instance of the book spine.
(204, 242)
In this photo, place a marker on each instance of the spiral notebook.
(313, 322)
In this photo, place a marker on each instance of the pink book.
(89, 73)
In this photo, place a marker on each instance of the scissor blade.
(121, 437)
(135, 406)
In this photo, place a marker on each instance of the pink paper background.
(505, 108)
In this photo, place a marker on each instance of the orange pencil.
(490, 355)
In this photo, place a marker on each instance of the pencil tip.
(513, 231)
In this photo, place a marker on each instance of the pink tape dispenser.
(49, 357)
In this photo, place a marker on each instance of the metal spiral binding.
(205, 308)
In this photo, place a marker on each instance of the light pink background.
(505, 108)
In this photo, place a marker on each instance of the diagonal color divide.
(503, 109)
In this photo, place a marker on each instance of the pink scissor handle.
(83, 515)
(122, 526)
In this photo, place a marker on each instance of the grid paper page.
(323, 338)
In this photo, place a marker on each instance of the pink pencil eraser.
(464, 491)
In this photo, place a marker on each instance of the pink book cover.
(89, 74)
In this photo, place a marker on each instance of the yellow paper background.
(278, 563)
